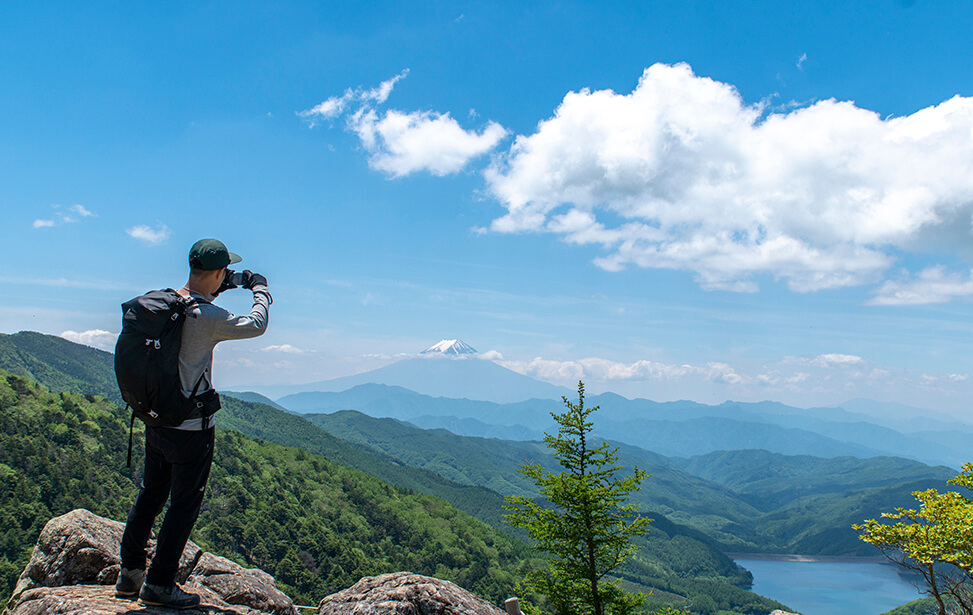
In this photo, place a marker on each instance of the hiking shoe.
(170, 596)
(129, 583)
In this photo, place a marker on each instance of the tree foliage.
(585, 523)
(316, 526)
(935, 541)
(61, 451)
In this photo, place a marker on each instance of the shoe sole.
(128, 595)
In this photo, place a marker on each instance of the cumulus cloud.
(400, 143)
(63, 215)
(932, 285)
(599, 369)
(801, 381)
(721, 372)
(404, 143)
(833, 360)
(96, 338)
(152, 236)
(682, 174)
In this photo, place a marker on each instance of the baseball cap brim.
(211, 254)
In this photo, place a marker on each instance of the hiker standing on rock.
(179, 433)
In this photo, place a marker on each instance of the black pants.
(177, 463)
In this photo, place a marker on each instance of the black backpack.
(147, 360)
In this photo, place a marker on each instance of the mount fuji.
(450, 368)
(450, 347)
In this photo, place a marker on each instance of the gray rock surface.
(77, 554)
(75, 564)
(238, 585)
(101, 600)
(404, 593)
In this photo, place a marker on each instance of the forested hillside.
(315, 525)
(749, 500)
(59, 364)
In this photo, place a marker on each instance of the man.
(178, 459)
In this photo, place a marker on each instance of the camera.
(235, 278)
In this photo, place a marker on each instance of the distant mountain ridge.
(437, 376)
(673, 556)
(681, 428)
(747, 499)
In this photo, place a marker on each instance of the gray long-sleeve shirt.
(206, 326)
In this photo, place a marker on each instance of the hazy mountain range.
(745, 500)
(437, 375)
(681, 428)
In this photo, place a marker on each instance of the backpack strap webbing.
(131, 428)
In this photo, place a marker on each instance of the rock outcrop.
(76, 557)
(75, 564)
(238, 585)
(404, 593)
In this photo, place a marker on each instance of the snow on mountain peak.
(450, 347)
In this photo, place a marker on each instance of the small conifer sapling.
(582, 521)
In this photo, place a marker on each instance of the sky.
(686, 200)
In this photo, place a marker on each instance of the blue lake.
(831, 588)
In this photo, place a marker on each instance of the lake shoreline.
(812, 559)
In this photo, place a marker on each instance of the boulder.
(79, 550)
(238, 585)
(101, 600)
(404, 593)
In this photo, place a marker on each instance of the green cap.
(210, 255)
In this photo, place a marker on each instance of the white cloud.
(286, 349)
(400, 143)
(96, 338)
(152, 236)
(336, 105)
(819, 197)
(835, 359)
(932, 285)
(66, 215)
(721, 372)
(404, 143)
(491, 355)
(801, 60)
(598, 369)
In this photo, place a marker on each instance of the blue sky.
(764, 200)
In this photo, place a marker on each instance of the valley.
(704, 504)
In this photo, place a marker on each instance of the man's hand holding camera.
(243, 279)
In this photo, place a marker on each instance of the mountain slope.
(62, 365)
(313, 524)
(770, 480)
(757, 501)
(682, 428)
(256, 519)
(439, 376)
